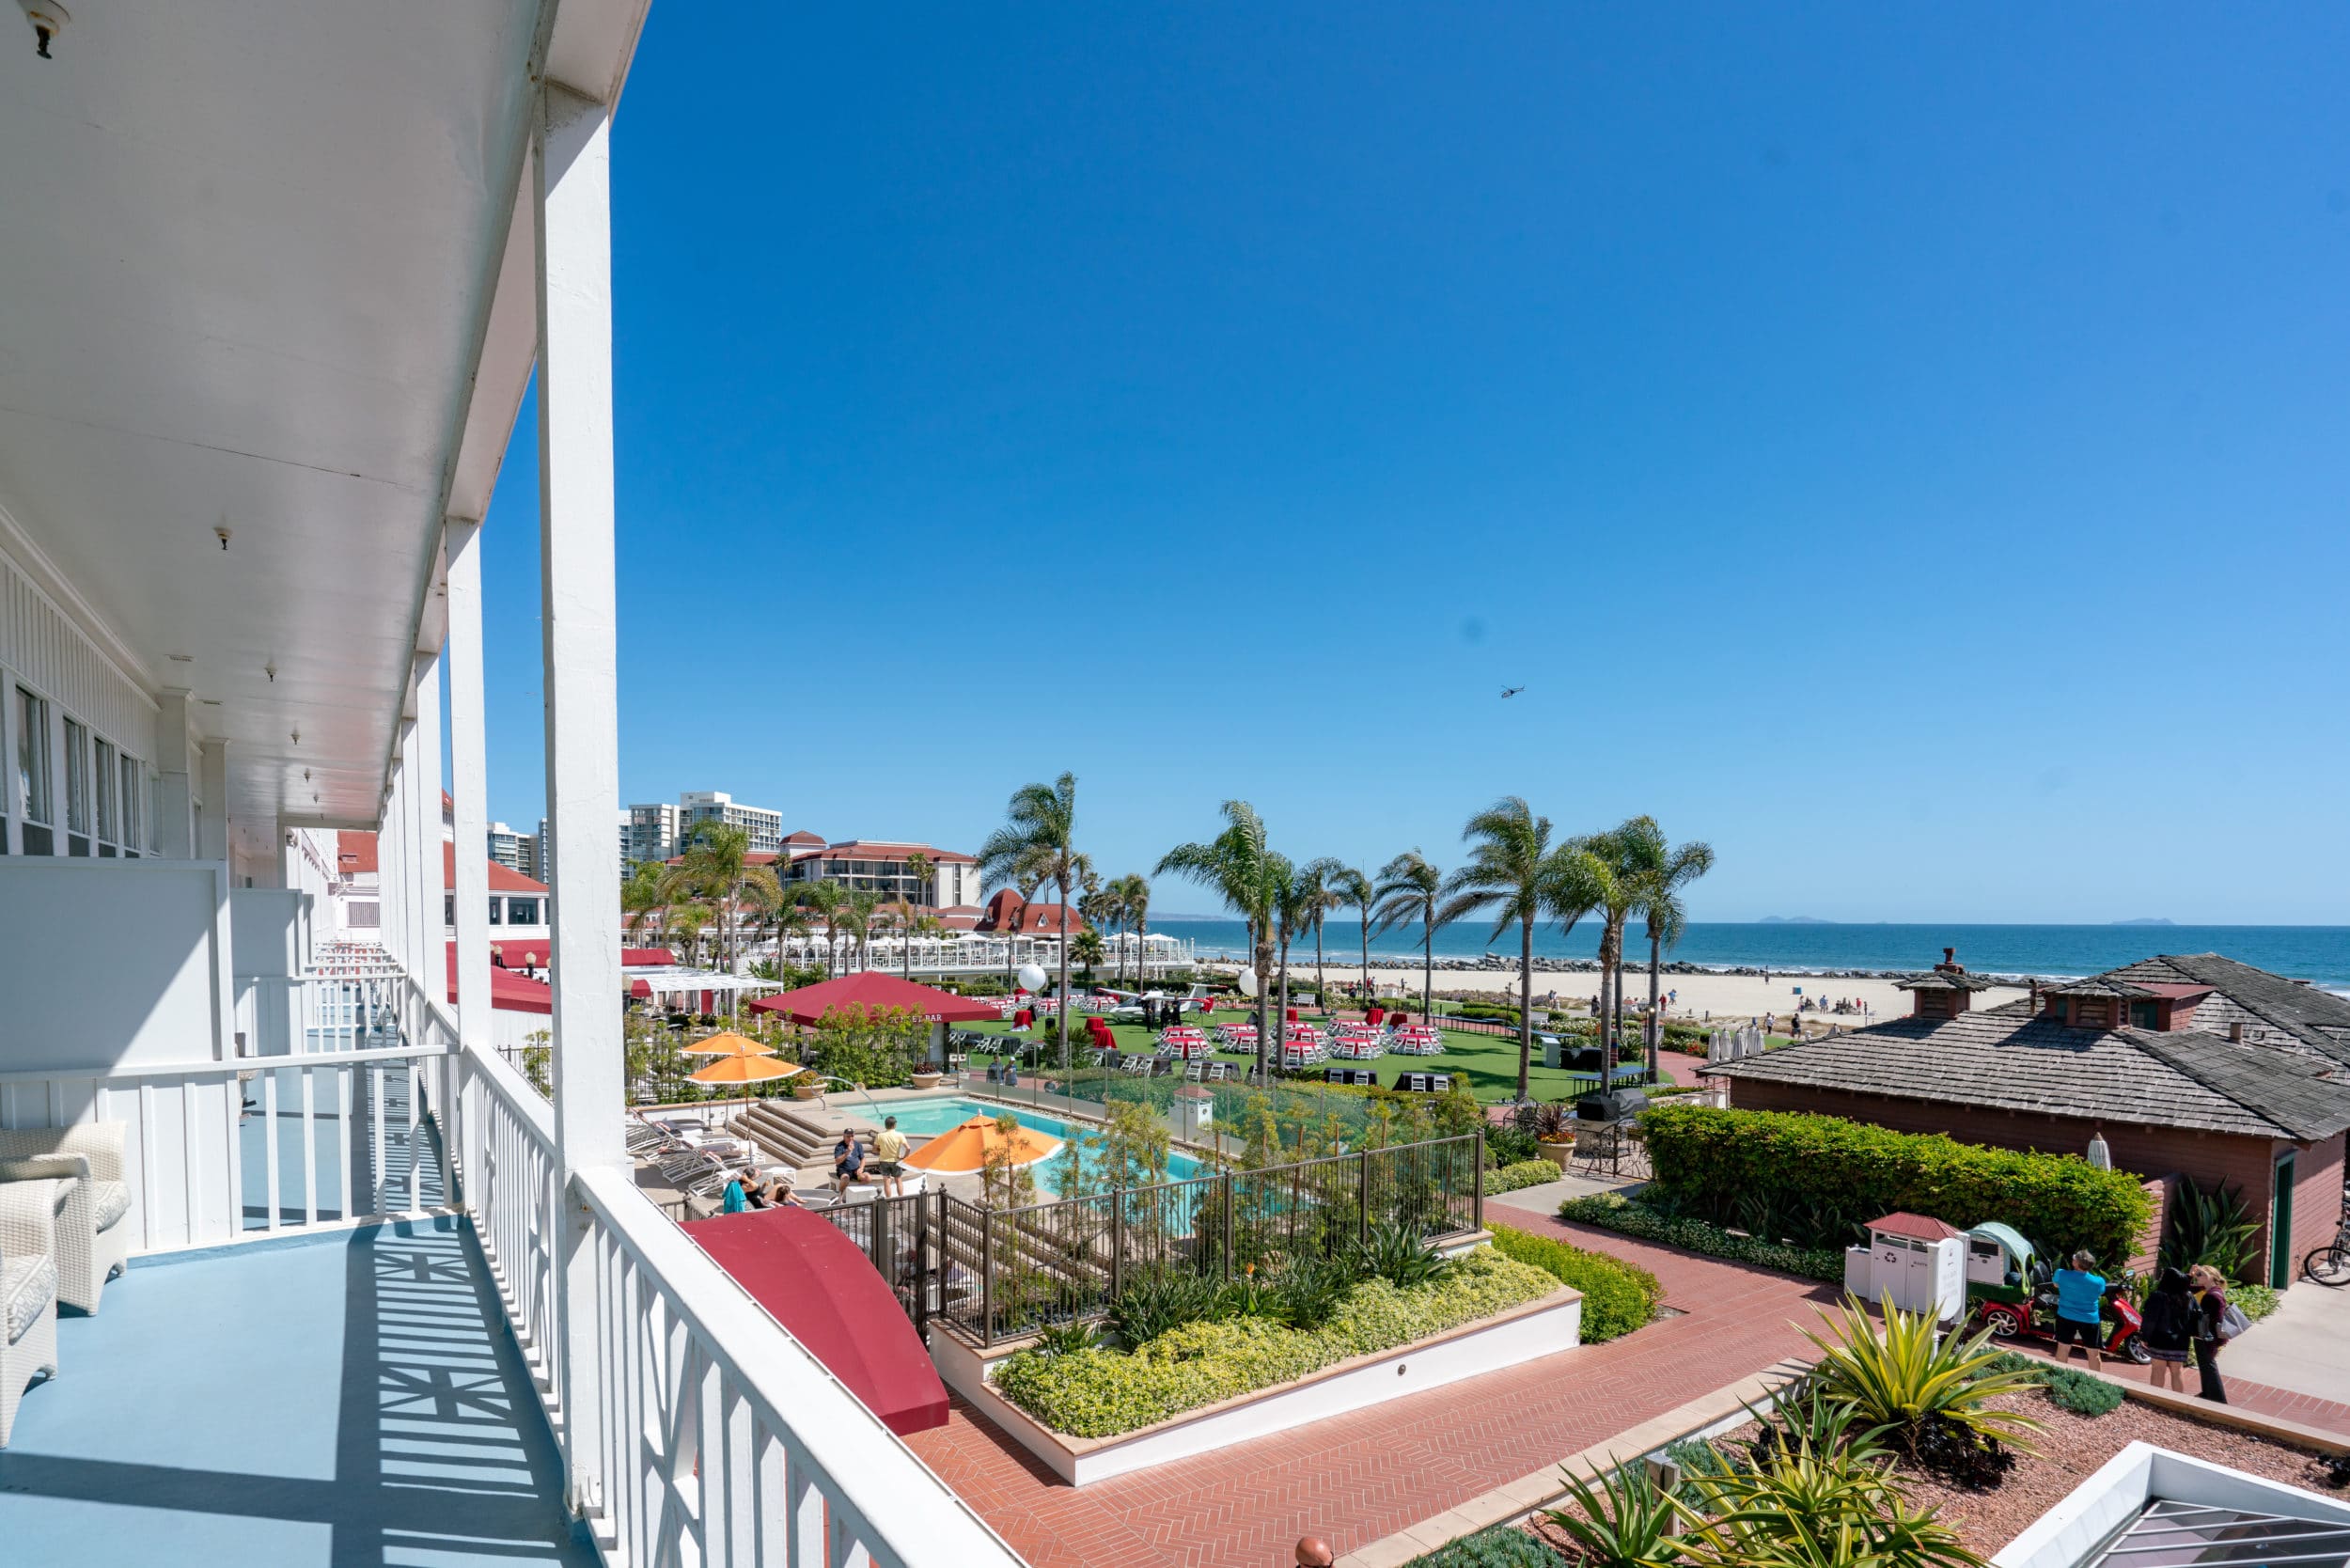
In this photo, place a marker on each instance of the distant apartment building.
(696, 806)
(648, 833)
(516, 851)
(882, 866)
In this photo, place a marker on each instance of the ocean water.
(2317, 953)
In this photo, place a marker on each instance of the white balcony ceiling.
(247, 264)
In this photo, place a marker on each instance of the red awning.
(871, 988)
(508, 991)
(821, 1287)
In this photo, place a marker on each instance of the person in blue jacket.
(2080, 1311)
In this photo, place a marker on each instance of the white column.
(469, 780)
(431, 896)
(570, 160)
(419, 834)
(391, 854)
(211, 822)
(177, 829)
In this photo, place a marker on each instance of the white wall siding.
(39, 643)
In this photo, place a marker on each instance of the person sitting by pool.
(889, 1153)
(848, 1162)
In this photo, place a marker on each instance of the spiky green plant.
(1904, 1378)
(2212, 1228)
(1812, 1504)
(1621, 1522)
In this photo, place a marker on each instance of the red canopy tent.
(820, 1285)
(871, 988)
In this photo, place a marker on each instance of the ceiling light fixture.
(221, 532)
(48, 18)
(270, 670)
(297, 737)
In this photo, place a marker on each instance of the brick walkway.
(1355, 1479)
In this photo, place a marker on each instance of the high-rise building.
(516, 851)
(648, 833)
(696, 807)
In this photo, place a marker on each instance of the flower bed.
(1100, 1392)
(1618, 1297)
(1612, 1210)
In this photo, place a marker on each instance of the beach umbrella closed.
(729, 1044)
(964, 1147)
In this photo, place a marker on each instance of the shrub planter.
(926, 1079)
(1534, 1328)
(1559, 1153)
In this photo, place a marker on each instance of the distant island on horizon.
(1793, 920)
(2157, 921)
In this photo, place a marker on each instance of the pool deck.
(320, 1400)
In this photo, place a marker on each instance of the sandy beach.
(1700, 996)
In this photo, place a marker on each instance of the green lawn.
(1490, 1062)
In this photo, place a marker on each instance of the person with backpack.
(2216, 1321)
(2168, 1326)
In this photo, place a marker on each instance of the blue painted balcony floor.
(341, 1400)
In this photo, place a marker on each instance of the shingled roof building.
(2194, 1066)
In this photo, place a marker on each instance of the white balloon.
(1031, 977)
(1248, 982)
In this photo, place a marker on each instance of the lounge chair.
(93, 1242)
(28, 1290)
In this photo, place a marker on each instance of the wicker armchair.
(93, 1243)
(28, 1290)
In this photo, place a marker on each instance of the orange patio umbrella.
(742, 1069)
(729, 1044)
(964, 1148)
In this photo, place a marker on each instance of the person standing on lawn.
(2168, 1327)
(2081, 1310)
(2210, 1310)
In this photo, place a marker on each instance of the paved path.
(2304, 1345)
(1355, 1479)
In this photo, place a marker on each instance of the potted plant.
(1552, 1126)
(925, 1076)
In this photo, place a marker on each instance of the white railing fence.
(719, 1439)
(281, 1015)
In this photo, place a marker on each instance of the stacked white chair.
(28, 1290)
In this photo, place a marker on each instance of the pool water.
(920, 1120)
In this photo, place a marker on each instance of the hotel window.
(109, 802)
(497, 912)
(32, 773)
(76, 788)
(2145, 1015)
(521, 912)
(135, 813)
(448, 909)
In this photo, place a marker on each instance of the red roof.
(871, 988)
(638, 958)
(820, 1285)
(1915, 1227)
(1011, 916)
(877, 849)
(503, 879)
(508, 991)
(354, 853)
(814, 841)
(2174, 990)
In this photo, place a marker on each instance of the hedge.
(1502, 1547)
(1102, 1392)
(1707, 1157)
(1618, 1297)
(1611, 1211)
(1520, 1173)
(2071, 1389)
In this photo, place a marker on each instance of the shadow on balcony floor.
(341, 1400)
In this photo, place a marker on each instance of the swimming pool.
(926, 1119)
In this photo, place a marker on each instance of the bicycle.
(2330, 1264)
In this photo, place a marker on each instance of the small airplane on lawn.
(1509, 692)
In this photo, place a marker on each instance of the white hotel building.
(274, 277)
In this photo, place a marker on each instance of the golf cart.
(2012, 1289)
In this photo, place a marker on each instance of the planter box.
(1560, 1154)
(1537, 1328)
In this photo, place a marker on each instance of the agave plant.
(1812, 1504)
(1905, 1383)
(1066, 1339)
(1622, 1522)
(2212, 1228)
(1397, 1254)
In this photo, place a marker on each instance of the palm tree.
(1087, 949)
(717, 865)
(1292, 909)
(1320, 880)
(918, 871)
(1616, 893)
(642, 899)
(1412, 889)
(1507, 875)
(1040, 821)
(1133, 903)
(904, 915)
(1237, 867)
(1665, 869)
(857, 914)
(789, 919)
(825, 898)
(1353, 890)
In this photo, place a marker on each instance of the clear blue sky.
(1903, 446)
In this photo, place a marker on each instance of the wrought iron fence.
(997, 1274)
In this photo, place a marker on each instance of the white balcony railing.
(720, 1439)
